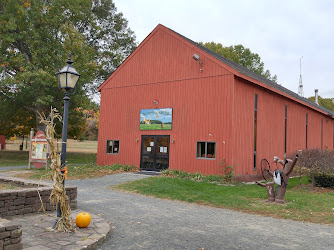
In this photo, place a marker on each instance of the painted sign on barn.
(156, 119)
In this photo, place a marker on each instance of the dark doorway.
(154, 152)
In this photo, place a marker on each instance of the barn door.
(154, 152)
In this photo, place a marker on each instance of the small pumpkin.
(83, 220)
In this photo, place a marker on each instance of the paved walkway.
(12, 167)
(37, 235)
(141, 222)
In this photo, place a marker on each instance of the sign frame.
(156, 119)
(39, 150)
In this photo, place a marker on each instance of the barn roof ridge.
(245, 71)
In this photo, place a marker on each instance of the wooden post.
(47, 157)
(31, 136)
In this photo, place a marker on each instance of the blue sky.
(281, 32)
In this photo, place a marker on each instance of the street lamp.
(68, 76)
(67, 79)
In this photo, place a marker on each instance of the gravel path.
(12, 167)
(142, 222)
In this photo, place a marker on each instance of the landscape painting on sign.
(156, 119)
(39, 150)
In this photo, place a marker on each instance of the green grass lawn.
(7, 187)
(301, 204)
(72, 146)
(21, 158)
(79, 165)
(76, 171)
(155, 127)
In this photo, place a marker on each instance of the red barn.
(176, 104)
(2, 142)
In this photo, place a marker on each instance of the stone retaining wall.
(26, 200)
(10, 235)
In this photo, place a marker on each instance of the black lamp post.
(67, 79)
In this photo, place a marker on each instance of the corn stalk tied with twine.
(58, 194)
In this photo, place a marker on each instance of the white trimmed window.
(206, 150)
(112, 147)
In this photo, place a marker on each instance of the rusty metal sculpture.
(280, 177)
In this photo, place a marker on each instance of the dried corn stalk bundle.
(58, 194)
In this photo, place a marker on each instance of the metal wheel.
(265, 167)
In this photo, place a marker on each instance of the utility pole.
(300, 87)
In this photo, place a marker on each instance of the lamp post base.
(58, 205)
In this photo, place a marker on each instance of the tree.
(324, 102)
(316, 162)
(92, 119)
(242, 56)
(36, 37)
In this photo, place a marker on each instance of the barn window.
(206, 150)
(286, 129)
(306, 128)
(322, 133)
(112, 147)
(255, 131)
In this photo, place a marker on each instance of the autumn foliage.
(89, 125)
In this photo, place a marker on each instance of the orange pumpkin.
(83, 220)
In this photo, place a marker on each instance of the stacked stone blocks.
(10, 235)
(26, 200)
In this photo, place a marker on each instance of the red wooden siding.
(243, 127)
(3, 142)
(328, 133)
(162, 68)
(163, 57)
(201, 112)
(271, 127)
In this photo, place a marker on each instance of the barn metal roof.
(243, 70)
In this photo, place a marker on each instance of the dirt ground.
(72, 146)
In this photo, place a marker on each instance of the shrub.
(227, 171)
(315, 162)
(183, 174)
(175, 172)
(129, 168)
(324, 180)
(118, 166)
(195, 176)
(166, 172)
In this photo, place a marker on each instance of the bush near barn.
(318, 165)
(324, 180)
